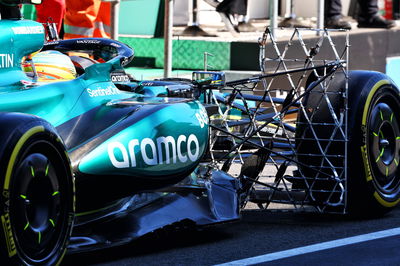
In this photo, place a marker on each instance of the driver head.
(51, 66)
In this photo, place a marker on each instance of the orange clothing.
(54, 9)
(87, 18)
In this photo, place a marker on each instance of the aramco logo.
(164, 150)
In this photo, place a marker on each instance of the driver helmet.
(50, 66)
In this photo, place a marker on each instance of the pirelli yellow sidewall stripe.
(384, 202)
(16, 151)
(364, 151)
(369, 99)
(61, 257)
(5, 217)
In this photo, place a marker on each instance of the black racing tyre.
(37, 192)
(373, 185)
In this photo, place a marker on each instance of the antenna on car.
(34, 74)
(51, 30)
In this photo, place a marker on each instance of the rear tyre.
(373, 185)
(37, 199)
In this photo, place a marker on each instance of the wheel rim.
(39, 205)
(384, 144)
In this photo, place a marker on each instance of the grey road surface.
(258, 233)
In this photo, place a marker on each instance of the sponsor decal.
(367, 168)
(110, 90)
(164, 150)
(28, 30)
(6, 60)
(202, 117)
(115, 45)
(273, 131)
(5, 220)
(147, 83)
(119, 77)
(88, 41)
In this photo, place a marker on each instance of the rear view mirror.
(214, 79)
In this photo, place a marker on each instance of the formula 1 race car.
(91, 158)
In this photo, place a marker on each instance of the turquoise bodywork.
(134, 157)
(18, 38)
(154, 91)
(56, 102)
(169, 141)
(163, 144)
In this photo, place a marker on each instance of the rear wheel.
(373, 154)
(37, 202)
(377, 139)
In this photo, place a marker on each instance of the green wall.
(140, 17)
(186, 54)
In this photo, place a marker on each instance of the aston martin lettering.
(103, 92)
(28, 30)
(6, 60)
(164, 150)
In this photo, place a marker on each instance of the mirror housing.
(210, 78)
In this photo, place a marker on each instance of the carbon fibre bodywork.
(135, 158)
(195, 201)
(149, 155)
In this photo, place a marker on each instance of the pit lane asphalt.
(258, 233)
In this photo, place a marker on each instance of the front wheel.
(37, 199)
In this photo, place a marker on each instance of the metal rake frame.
(271, 123)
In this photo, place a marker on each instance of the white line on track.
(316, 247)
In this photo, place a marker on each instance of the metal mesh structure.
(285, 130)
